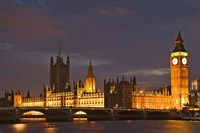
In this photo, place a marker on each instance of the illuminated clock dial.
(184, 61)
(174, 61)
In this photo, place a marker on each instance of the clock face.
(184, 61)
(174, 61)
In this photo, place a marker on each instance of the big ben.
(179, 74)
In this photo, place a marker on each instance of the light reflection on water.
(50, 130)
(19, 127)
(181, 126)
(140, 126)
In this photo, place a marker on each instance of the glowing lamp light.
(80, 113)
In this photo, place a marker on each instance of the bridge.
(78, 113)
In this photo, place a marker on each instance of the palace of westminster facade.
(120, 93)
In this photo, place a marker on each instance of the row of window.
(59, 98)
(148, 100)
(33, 99)
(59, 104)
(150, 106)
(79, 103)
(90, 102)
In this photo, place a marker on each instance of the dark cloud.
(148, 72)
(26, 25)
(82, 60)
(32, 3)
(117, 12)
(5, 45)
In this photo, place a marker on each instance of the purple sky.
(122, 37)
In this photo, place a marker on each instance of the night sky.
(122, 37)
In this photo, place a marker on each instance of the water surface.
(139, 126)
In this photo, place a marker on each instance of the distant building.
(195, 92)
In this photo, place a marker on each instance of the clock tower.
(179, 74)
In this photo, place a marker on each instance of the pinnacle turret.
(68, 60)
(90, 70)
(59, 51)
(28, 94)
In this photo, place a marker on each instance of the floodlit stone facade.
(117, 94)
(82, 96)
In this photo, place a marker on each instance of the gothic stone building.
(60, 94)
(122, 94)
(195, 92)
(125, 94)
(119, 93)
(60, 74)
(86, 93)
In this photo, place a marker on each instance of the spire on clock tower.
(179, 47)
(179, 37)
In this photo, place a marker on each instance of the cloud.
(148, 72)
(19, 2)
(81, 60)
(117, 12)
(5, 45)
(26, 25)
(35, 3)
(151, 83)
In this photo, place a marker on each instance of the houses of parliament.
(119, 93)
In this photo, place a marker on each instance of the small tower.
(179, 74)
(90, 82)
(28, 94)
(135, 87)
(68, 87)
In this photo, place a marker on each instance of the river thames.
(139, 126)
